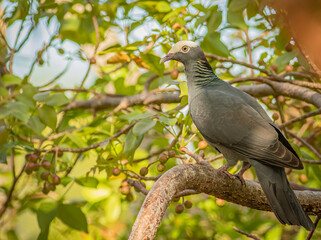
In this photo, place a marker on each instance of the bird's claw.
(238, 175)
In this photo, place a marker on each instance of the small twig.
(304, 142)
(137, 185)
(73, 164)
(70, 89)
(197, 158)
(219, 156)
(95, 23)
(316, 221)
(304, 116)
(249, 48)
(310, 161)
(223, 59)
(84, 149)
(246, 233)
(9, 196)
(58, 76)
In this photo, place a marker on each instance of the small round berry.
(124, 183)
(143, 171)
(116, 171)
(160, 167)
(275, 116)
(179, 208)
(288, 47)
(171, 153)
(176, 26)
(281, 98)
(51, 186)
(45, 188)
(46, 165)
(163, 158)
(32, 157)
(274, 68)
(288, 68)
(44, 175)
(56, 179)
(124, 190)
(30, 167)
(303, 178)
(188, 204)
(174, 74)
(220, 202)
(202, 144)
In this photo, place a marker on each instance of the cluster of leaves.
(58, 141)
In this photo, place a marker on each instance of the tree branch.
(205, 179)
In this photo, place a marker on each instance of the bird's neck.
(200, 74)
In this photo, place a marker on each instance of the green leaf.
(73, 217)
(41, 97)
(236, 19)
(317, 171)
(48, 116)
(4, 137)
(131, 144)
(4, 92)
(19, 110)
(163, 6)
(214, 21)
(66, 180)
(9, 79)
(45, 214)
(168, 121)
(183, 88)
(238, 5)
(284, 59)
(153, 62)
(143, 126)
(4, 112)
(212, 43)
(57, 99)
(36, 125)
(89, 182)
(140, 116)
(78, 140)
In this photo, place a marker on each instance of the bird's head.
(184, 52)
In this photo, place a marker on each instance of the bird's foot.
(224, 168)
(239, 175)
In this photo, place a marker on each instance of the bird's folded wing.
(228, 120)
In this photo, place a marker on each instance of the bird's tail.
(281, 197)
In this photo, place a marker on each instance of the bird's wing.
(223, 117)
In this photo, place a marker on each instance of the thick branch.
(105, 102)
(203, 178)
(259, 90)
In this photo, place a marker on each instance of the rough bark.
(204, 178)
(260, 90)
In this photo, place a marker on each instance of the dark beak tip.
(166, 58)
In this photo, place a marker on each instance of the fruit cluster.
(33, 164)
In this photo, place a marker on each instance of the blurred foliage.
(57, 193)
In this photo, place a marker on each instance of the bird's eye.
(185, 49)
